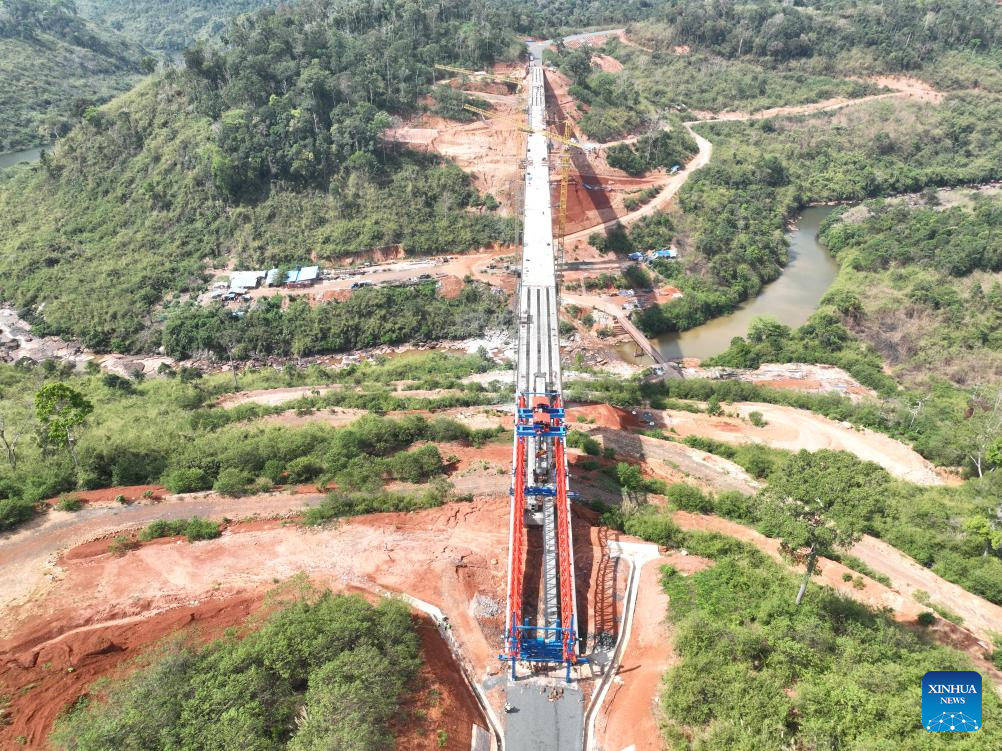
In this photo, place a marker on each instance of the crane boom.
(479, 73)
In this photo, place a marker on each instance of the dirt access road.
(794, 429)
(70, 604)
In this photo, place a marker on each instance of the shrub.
(713, 406)
(578, 440)
(162, 528)
(14, 511)
(341, 504)
(689, 498)
(274, 469)
(122, 545)
(756, 419)
(233, 482)
(735, 505)
(201, 529)
(757, 460)
(655, 527)
(926, 618)
(193, 529)
(69, 503)
(186, 480)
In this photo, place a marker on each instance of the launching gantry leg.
(539, 464)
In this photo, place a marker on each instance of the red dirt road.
(629, 714)
(873, 594)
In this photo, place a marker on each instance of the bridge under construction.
(541, 620)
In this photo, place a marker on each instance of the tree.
(634, 488)
(985, 443)
(987, 530)
(61, 409)
(821, 502)
(11, 433)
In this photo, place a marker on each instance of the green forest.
(256, 151)
(321, 672)
(757, 669)
(936, 263)
(932, 312)
(758, 673)
(735, 210)
(168, 26)
(369, 318)
(53, 67)
(893, 35)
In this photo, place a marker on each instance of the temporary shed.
(245, 280)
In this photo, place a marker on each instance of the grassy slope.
(923, 320)
(168, 26)
(41, 77)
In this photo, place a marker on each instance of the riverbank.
(12, 158)
(791, 299)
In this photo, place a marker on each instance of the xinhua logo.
(951, 700)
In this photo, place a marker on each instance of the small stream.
(791, 299)
(16, 157)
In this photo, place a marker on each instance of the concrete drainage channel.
(637, 555)
(495, 739)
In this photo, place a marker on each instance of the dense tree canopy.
(900, 34)
(326, 672)
(369, 318)
(53, 65)
(168, 26)
(268, 148)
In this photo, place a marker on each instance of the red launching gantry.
(539, 486)
(540, 625)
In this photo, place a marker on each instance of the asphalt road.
(541, 723)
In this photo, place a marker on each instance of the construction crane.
(565, 175)
(568, 141)
(480, 111)
(480, 74)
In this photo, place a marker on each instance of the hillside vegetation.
(734, 211)
(267, 152)
(326, 672)
(953, 44)
(168, 26)
(53, 66)
(757, 673)
(706, 55)
(939, 272)
(197, 445)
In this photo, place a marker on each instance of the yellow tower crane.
(482, 112)
(568, 142)
(565, 175)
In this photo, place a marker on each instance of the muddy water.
(791, 299)
(16, 157)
